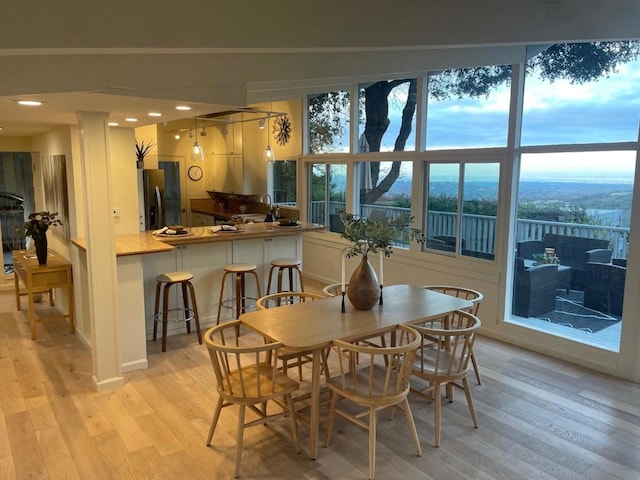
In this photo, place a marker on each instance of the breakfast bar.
(203, 252)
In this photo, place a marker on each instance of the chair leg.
(331, 417)
(239, 437)
(437, 404)
(185, 305)
(196, 317)
(165, 315)
(269, 282)
(412, 426)
(373, 420)
(294, 422)
(475, 367)
(224, 277)
(300, 279)
(156, 310)
(214, 420)
(472, 408)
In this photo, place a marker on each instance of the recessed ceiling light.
(113, 124)
(183, 107)
(29, 103)
(1, 128)
(155, 114)
(130, 119)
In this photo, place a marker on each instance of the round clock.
(195, 173)
(282, 130)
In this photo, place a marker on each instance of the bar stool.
(164, 282)
(282, 264)
(240, 270)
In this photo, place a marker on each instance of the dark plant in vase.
(142, 150)
(36, 228)
(372, 237)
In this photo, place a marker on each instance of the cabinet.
(205, 261)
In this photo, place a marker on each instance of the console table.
(42, 279)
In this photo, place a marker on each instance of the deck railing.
(479, 231)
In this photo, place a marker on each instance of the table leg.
(32, 315)
(17, 289)
(72, 322)
(315, 405)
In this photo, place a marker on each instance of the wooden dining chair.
(280, 300)
(380, 380)
(443, 359)
(248, 376)
(468, 294)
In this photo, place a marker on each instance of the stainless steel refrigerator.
(154, 205)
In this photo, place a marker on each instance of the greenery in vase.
(143, 149)
(39, 223)
(373, 236)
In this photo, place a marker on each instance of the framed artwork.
(56, 197)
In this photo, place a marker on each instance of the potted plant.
(142, 150)
(36, 228)
(370, 236)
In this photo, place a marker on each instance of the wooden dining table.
(312, 326)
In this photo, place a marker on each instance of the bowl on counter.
(284, 222)
(177, 228)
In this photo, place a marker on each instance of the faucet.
(266, 195)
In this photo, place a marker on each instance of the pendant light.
(197, 153)
(269, 155)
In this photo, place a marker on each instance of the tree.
(577, 62)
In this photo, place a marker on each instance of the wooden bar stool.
(240, 270)
(282, 264)
(164, 282)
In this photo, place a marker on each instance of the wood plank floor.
(539, 418)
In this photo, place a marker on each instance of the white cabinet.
(205, 261)
(262, 251)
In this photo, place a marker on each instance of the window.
(385, 190)
(578, 204)
(328, 184)
(462, 205)
(329, 123)
(284, 182)
(599, 102)
(468, 107)
(387, 116)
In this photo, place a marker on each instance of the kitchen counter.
(145, 242)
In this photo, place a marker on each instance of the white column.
(101, 255)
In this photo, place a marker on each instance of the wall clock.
(195, 173)
(282, 130)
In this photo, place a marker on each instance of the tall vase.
(363, 291)
(41, 248)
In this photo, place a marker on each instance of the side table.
(42, 279)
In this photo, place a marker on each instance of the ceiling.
(131, 58)
(60, 109)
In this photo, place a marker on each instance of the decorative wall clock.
(195, 173)
(282, 130)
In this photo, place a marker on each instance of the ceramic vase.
(364, 290)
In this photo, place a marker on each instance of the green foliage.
(328, 119)
(39, 223)
(555, 211)
(373, 236)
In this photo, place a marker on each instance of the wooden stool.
(282, 264)
(240, 270)
(164, 282)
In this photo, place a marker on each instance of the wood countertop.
(145, 242)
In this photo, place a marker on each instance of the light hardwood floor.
(539, 419)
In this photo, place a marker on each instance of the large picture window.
(329, 123)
